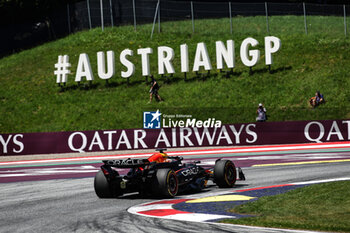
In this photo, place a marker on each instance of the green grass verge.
(322, 207)
(30, 100)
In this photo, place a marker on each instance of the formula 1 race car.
(162, 175)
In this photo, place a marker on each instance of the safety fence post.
(229, 8)
(111, 12)
(305, 22)
(89, 13)
(134, 11)
(267, 19)
(345, 27)
(154, 19)
(159, 16)
(192, 14)
(102, 22)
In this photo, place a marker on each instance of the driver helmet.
(158, 157)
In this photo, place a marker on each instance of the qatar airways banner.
(260, 133)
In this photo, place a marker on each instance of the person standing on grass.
(154, 90)
(261, 111)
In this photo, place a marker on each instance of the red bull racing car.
(162, 175)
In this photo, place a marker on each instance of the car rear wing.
(126, 163)
(135, 163)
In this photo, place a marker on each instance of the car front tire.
(225, 174)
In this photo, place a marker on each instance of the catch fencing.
(101, 13)
(88, 14)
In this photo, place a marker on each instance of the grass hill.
(318, 207)
(31, 101)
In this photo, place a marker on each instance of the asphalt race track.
(51, 201)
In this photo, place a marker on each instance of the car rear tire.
(225, 174)
(167, 184)
(104, 188)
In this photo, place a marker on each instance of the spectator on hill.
(317, 99)
(261, 111)
(154, 90)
